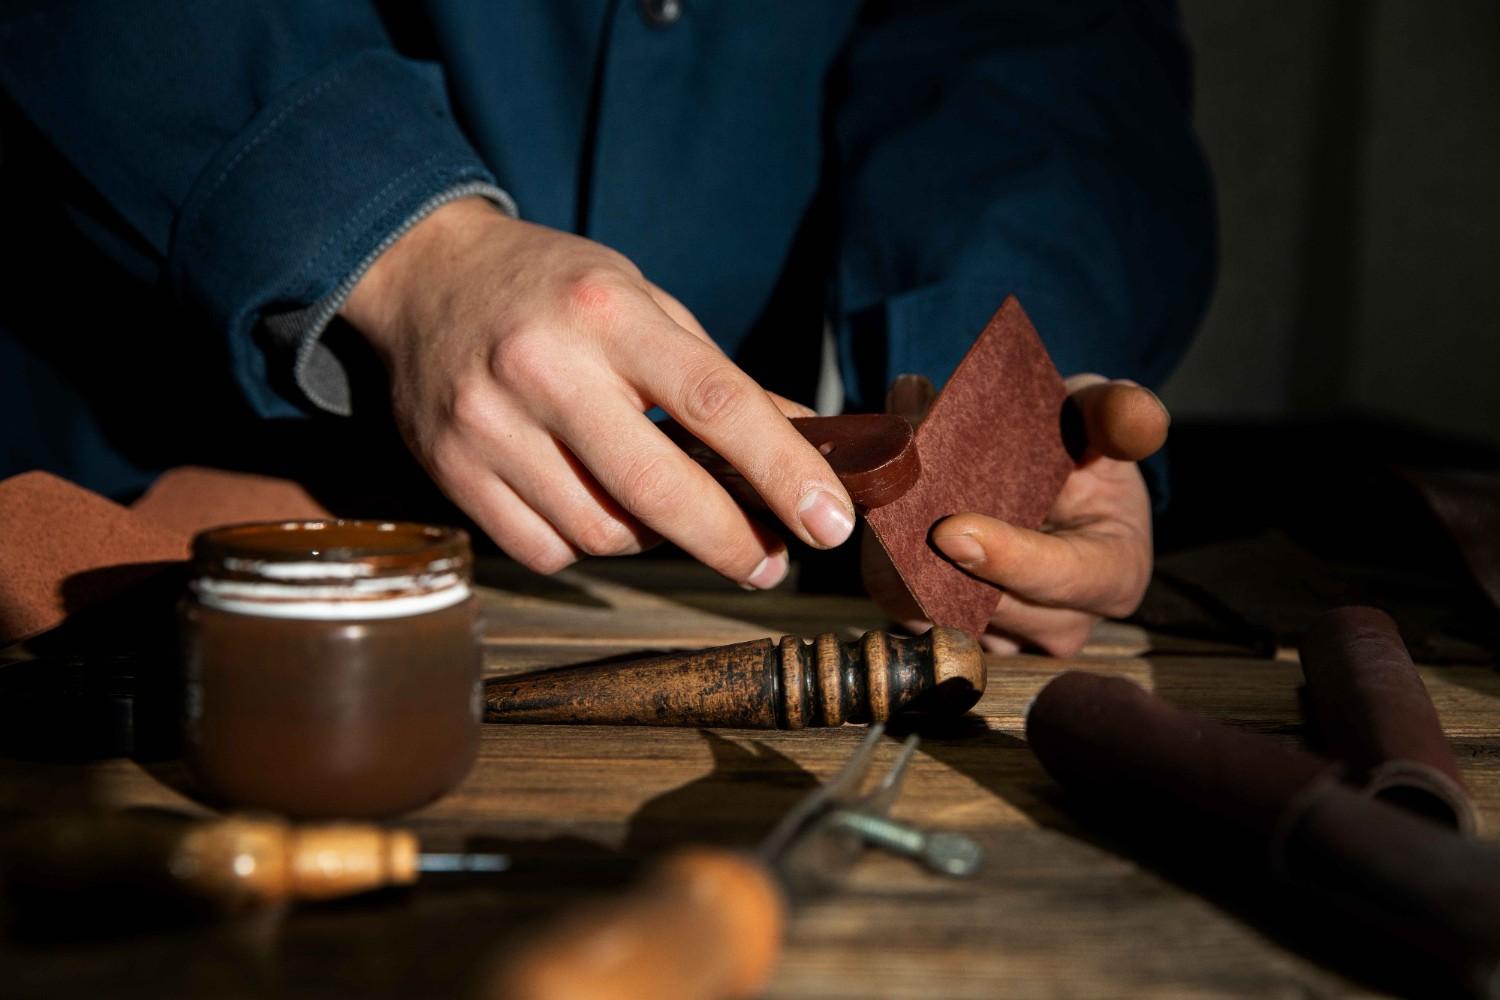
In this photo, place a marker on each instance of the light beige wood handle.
(247, 862)
(705, 925)
(231, 863)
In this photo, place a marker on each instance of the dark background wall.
(1356, 145)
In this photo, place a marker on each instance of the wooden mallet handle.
(705, 925)
(765, 684)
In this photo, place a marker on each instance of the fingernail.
(769, 572)
(825, 519)
(962, 549)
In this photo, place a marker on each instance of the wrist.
(381, 300)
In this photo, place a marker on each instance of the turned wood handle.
(873, 454)
(230, 863)
(765, 684)
(705, 925)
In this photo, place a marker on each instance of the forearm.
(257, 153)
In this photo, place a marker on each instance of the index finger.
(726, 410)
(650, 477)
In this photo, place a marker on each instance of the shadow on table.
(507, 575)
(735, 805)
(104, 683)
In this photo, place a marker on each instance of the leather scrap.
(190, 499)
(991, 444)
(65, 548)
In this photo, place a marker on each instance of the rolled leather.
(1413, 889)
(1373, 713)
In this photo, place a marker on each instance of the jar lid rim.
(383, 546)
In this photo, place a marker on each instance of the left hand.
(1092, 557)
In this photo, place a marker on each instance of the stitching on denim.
(265, 133)
(317, 317)
(373, 203)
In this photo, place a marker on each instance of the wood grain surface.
(1056, 910)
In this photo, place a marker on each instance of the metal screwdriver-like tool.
(229, 864)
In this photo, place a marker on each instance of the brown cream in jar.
(332, 667)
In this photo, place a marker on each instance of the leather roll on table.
(1412, 888)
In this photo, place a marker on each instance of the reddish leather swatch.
(189, 499)
(991, 444)
(63, 547)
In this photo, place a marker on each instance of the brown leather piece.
(1416, 897)
(64, 548)
(1109, 736)
(991, 444)
(874, 456)
(190, 499)
(1374, 714)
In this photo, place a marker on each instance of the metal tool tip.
(953, 854)
(462, 862)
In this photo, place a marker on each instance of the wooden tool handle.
(230, 864)
(791, 684)
(705, 925)
(873, 454)
(250, 861)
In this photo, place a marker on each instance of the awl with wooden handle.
(225, 864)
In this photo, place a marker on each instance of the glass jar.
(333, 668)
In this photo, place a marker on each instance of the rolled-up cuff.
(305, 198)
(297, 336)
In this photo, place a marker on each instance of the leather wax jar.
(332, 667)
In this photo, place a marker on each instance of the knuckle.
(597, 295)
(543, 558)
(605, 536)
(445, 456)
(714, 393)
(472, 409)
(649, 484)
(522, 357)
(1126, 605)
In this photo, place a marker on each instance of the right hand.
(522, 361)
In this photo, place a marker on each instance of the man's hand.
(1092, 558)
(522, 362)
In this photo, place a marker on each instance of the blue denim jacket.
(179, 179)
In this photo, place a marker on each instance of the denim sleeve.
(982, 149)
(248, 155)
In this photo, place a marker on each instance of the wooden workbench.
(1054, 911)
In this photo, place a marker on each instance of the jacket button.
(661, 12)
